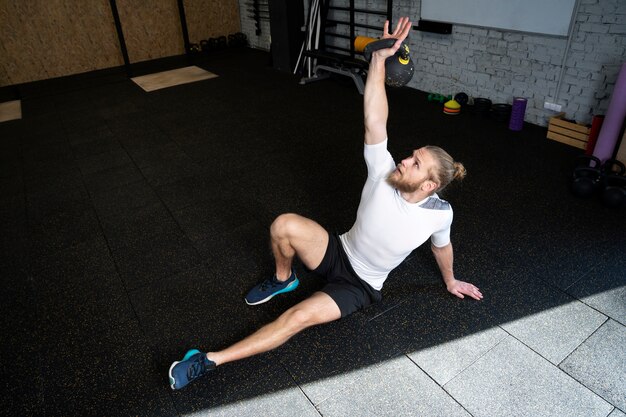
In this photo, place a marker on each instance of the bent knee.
(284, 225)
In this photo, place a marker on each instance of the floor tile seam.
(157, 281)
(607, 319)
(583, 276)
(387, 310)
(30, 219)
(616, 408)
(167, 208)
(595, 308)
(300, 388)
(535, 351)
(24, 188)
(23, 185)
(558, 367)
(441, 386)
(336, 393)
(116, 214)
(574, 296)
(57, 290)
(140, 325)
(550, 285)
(41, 394)
(474, 361)
(82, 171)
(125, 289)
(590, 390)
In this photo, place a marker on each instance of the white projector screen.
(550, 17)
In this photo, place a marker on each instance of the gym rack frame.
(314, 48)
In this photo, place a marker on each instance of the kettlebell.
(586, 176)
(398, 67)
(613, 183)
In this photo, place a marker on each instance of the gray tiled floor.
(396, 388)
(554, 333)
(599, 363)
(489, 373)
(286, 403)
(446, 361)
(511, 379)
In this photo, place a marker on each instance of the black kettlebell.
(613, 183)
(398, 67)
(586, 176)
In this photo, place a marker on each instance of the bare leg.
(296, 235)
(317, 309)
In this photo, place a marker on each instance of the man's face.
(412, 172)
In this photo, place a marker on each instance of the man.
(399, 210)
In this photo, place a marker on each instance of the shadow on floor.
(133, 224)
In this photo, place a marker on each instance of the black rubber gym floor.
(134, 223)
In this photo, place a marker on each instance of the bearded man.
(399, 210)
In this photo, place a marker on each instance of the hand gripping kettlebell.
(398, 67)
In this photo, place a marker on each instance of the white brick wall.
(500, 65)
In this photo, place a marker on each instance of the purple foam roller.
(613, 120)
(516, 122)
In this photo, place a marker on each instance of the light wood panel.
(151, 29)
(42, 39)
(211, 18)
(171, 78)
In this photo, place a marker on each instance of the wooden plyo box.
(570, 133)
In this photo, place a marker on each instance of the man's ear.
(430, 186)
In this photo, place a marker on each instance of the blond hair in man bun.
(459, 171)
(448, 168)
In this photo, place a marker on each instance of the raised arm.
(375, 107)
(444, 257)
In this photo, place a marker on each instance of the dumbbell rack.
(315, 47)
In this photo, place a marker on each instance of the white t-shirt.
(387, 227)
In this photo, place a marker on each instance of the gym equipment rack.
(315, 48)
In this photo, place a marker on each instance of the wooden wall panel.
(151, 28)
(211, 18)
(42, 39)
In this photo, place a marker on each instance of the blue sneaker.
(264, 291)
(194, 365)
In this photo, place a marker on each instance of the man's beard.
(395, 180)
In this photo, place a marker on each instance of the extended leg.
(317, 309)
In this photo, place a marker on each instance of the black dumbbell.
(242, 39)
(586, 176)
(213, 44)
(613, 183)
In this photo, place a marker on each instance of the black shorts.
(344, 286)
